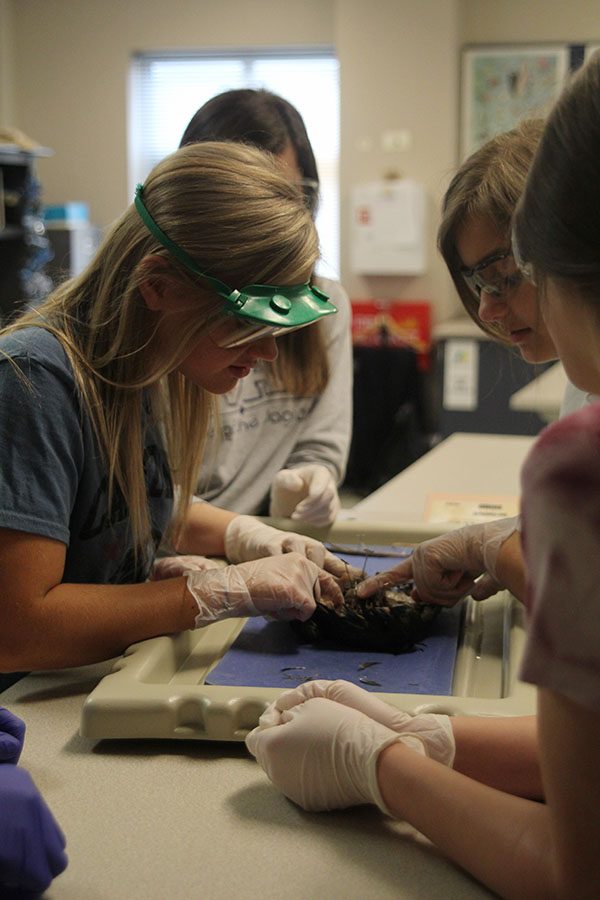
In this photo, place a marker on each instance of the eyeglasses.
(310, 188)
(255, 310)
(311, 183)
(525, 268)
(497, 275)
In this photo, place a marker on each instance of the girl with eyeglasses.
(474, 238)
(475, 241)
(284, 438)
(329, 745)
(106, 396)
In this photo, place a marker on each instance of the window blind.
(166, 89)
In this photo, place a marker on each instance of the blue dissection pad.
(269, 654)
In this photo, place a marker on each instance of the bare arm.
(518, 848)
(47, 624)
(204, 530)
(501, 752)
(569, 751)
(478, 827)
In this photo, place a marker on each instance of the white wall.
(7, 108)
(512, 21)
(70, 75)
(72, 60)
(64, 67)
(399, 72)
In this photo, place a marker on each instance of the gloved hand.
(248, 538)
(324, 755)
(433, 730)
(445, 568)
(32, 846)
(174, 566)
(12, 736)
(284, 587)
(306, 493)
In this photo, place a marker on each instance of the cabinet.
(389, 428)
(475, 380)
(24, 246)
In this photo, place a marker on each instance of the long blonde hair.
(231, 208)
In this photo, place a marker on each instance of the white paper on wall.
(388, 228)
(461, 372)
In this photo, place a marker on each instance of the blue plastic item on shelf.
(67, 213)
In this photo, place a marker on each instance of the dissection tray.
(159, 689)
(272, 654)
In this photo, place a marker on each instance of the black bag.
(388, 418)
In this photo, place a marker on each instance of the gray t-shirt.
(264, 429)
(53, 481)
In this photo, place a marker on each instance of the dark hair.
(488, 185)
(268, 122)
(259, 118)
(557, 223)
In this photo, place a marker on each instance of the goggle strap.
(174, 249)
(237, 299)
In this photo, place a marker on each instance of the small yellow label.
(466, 509)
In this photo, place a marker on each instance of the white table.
(470, 464)
(543, 395)
(166, 820)
(152, 820)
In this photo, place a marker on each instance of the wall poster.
(500, 85)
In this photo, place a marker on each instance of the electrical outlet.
(396, 140)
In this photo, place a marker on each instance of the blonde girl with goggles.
(106, 395)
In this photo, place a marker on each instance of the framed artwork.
(500, 85)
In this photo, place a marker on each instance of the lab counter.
(148, 820)
(473, 466)
(544, 395)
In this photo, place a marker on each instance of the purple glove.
(32, 846)
(12, 735)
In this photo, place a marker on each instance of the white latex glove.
(284, 587)
(174, 566)
(306, 493)
(446, 568)
(324, 755)
(433, 730)
(248, 538)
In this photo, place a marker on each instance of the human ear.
(154, 283)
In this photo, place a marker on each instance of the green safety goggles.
(255, 310)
